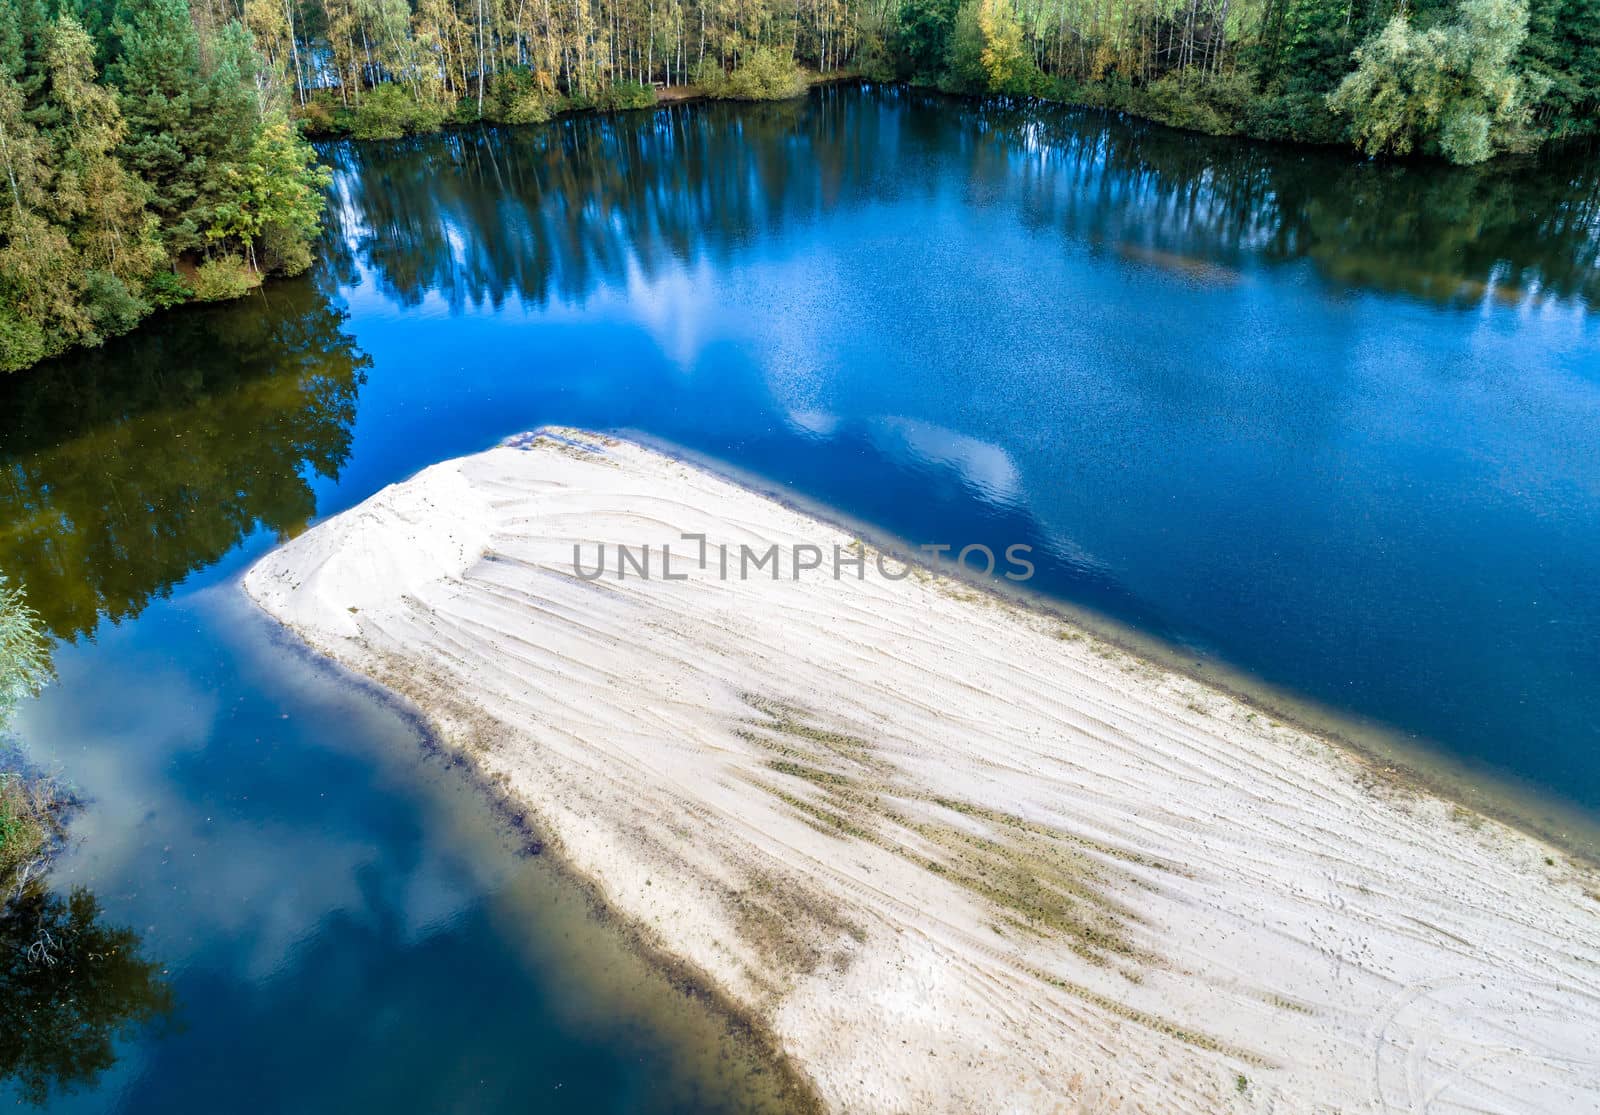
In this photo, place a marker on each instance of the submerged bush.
(764, 75)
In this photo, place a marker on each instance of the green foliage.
(1293, 118)
(24, 31)
(391, 111)
(1304, 47)
(24, 654)
(515, 95)
(987, 53)
(285, 249)
(1461, 82)
(26, 825)
(1006, 60)
(964, 69)
(167, 288)
(22, 340)
(874, 52)
(113, 188)
(276, 187)
(113, 308)
(1216, 106)
(762, 75)
(184, 122)
(40, 311)
(75, 226)
(100, 204)
(1450, 89)
(519, 97)
(922, 35)
(623, 95)
(321, 114)
(223, 278)
(1562, 54)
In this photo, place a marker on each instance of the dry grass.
(31, 809)
(1036, 879)
(793, 928)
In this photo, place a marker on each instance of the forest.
(149, 159)
(155, 151)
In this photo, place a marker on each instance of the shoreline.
(688, 94)
(741, 1025)
(779, 806)
(1413, 763)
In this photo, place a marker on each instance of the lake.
(1324, 429)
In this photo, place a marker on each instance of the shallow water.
(1330, 424)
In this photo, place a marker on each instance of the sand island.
(952, 853)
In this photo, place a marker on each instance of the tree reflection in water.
(476, 217)
(124, 469)
(71, 986)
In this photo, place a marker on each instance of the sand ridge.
(957, 855)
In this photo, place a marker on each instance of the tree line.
(153, 149)
(1463, 79)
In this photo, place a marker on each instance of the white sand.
(957, 856)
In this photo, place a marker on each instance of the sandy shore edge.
(1409, 764)
(951, 854)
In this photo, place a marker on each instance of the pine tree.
(94, 194)
(24, 25)
(185, 126)
(95, 199)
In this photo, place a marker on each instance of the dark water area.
(1330, 424)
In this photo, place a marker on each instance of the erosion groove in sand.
(955, 856)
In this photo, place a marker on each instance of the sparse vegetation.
(30, 804)
(793, 928)
(1036, 879)
(30, 823)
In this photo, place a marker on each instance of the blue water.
(1332, 425)
(960, 333)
